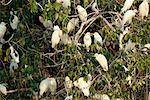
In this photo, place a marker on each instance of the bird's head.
(56, 27)
(3, 23)
(135, 10)
(96, 54)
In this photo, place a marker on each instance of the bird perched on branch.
(102, 61)
(48, 84)
(144, 9)
(2, 29)
(82, 13)
(97, 38)
(128, 16)
(87, 41)
(56, 36)
(83, 85)
(127, 5)
(72, 23)
(13, 21)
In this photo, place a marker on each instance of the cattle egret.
(72, 23)
(128, 16)
(87, 40)
(121, 37)
(56, 36)
(14, 54)
(59, 1)
(2, 29)
(3, 89)
(94, 5)
(102, 61)
(144, 9)
(14, 22)
(66, 3)
(46, 23)
(97, 38)
(127, 5)
(48, 84)
(104, 97)
(82, 13)
(68, 83)
(83, 86)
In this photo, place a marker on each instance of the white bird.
(102, 61)
(56, 36)
(14, 22)
(46, 23)
(128, 16)
(48, 84)
(121, 37)
(66, 3)
(2, 29)
(82, 13)
(72, 23)
(59, 1)
(14, 54)
(87, 40)
(97, 38)
(144, 9)
(3, 89)
(127, 5)
(83, 86)
(104, 97)
(68, 83)
(94, 5)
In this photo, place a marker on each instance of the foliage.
(38, 60)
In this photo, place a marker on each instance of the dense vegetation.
(38, 60)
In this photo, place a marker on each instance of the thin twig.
(5, 4)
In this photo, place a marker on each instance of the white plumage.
(104, 97)
(14, 54)
(56, 36)
(83, 86)
(82, 13)
(102, 61)
(66, 3)
(127, 5)
(87, 40)
(121, 37)
(94, 5)
(128, 16)
(144, 9)
(68, 83)
(59, 1)
(48, 84)
(3, 89)
(72, 23)
(97, 38)
(46, 23)
(14, 22)
(2, 29)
